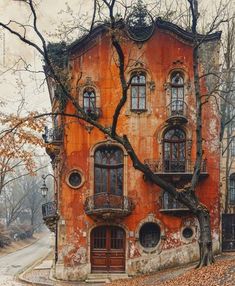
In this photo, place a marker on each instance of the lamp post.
(44, 192)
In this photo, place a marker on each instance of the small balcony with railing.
(50, 215)
(94, 112)
(170, 205)
(53, 138)
(177, 168)
(177, 112)
(108, 206)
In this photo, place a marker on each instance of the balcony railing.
(173, 166)
(50, 215)
(49, 210)
(53, 135)
(171, 205)
(93, 112)
(177, 110)
(107, 204)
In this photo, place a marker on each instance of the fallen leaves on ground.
(222, 273)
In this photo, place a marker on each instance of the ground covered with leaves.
(222, 273)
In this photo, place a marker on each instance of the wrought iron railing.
(173, 166)
(108, 201)
(49, 210)
(53, 135)
(93, 112)
(170, 203)
(177, 108)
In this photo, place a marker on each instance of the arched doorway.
(108, 249)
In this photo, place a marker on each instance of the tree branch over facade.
(186, 195)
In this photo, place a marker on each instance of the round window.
(149, 235)
(75, 179)
(187, 232)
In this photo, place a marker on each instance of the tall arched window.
(138, 92)
(174, 150)
(109, 170)
(177, 93)
(89, 100)
(232, 189)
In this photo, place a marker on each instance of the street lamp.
(44, 192)
(44, 189)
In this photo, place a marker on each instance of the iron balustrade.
(173, 166)
(49, 210)
(108, 201)
(170, 203)
(93, 112)
(177, 108)
(53, 135)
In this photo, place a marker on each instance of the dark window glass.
(138, 92)
(232, 189)
(177, 94)
(187, 232)
(149, 235)
(75, 179)
(174, 148)
(109, 170)
(89, 100)
(99, 237)
(232, 147)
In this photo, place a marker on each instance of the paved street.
(12, 264)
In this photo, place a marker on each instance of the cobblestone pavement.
(6, 280)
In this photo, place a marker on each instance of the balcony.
(94, 112)
(175, 168)
(53, 135)
(108, 206)
(177, 112)
(50, 215)
(53, 138)
(171, 206)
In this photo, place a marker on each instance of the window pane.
(108, 167)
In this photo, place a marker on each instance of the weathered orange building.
(111, 219)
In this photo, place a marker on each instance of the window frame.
(232, 189)
(106, 171)
(174, 145)
(138, 85)
(178, 107)
(90, 107)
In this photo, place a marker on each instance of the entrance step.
(105, 277)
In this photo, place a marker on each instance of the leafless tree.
(58, 74)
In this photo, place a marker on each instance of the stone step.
(105, 277)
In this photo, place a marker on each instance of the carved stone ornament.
(139, 23)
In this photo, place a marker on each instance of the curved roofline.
(159, 23)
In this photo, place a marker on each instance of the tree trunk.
(205, 240)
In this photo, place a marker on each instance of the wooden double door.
(108, 249)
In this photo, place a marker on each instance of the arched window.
(232, 189)
(177, 93)
(138, 92)
(109, 170)
(174, 150)
(89, 100)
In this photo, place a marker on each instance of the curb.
(29, 268)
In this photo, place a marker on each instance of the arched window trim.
(136, 88)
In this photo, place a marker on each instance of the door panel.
(108, 249)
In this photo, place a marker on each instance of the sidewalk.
(222, 273)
